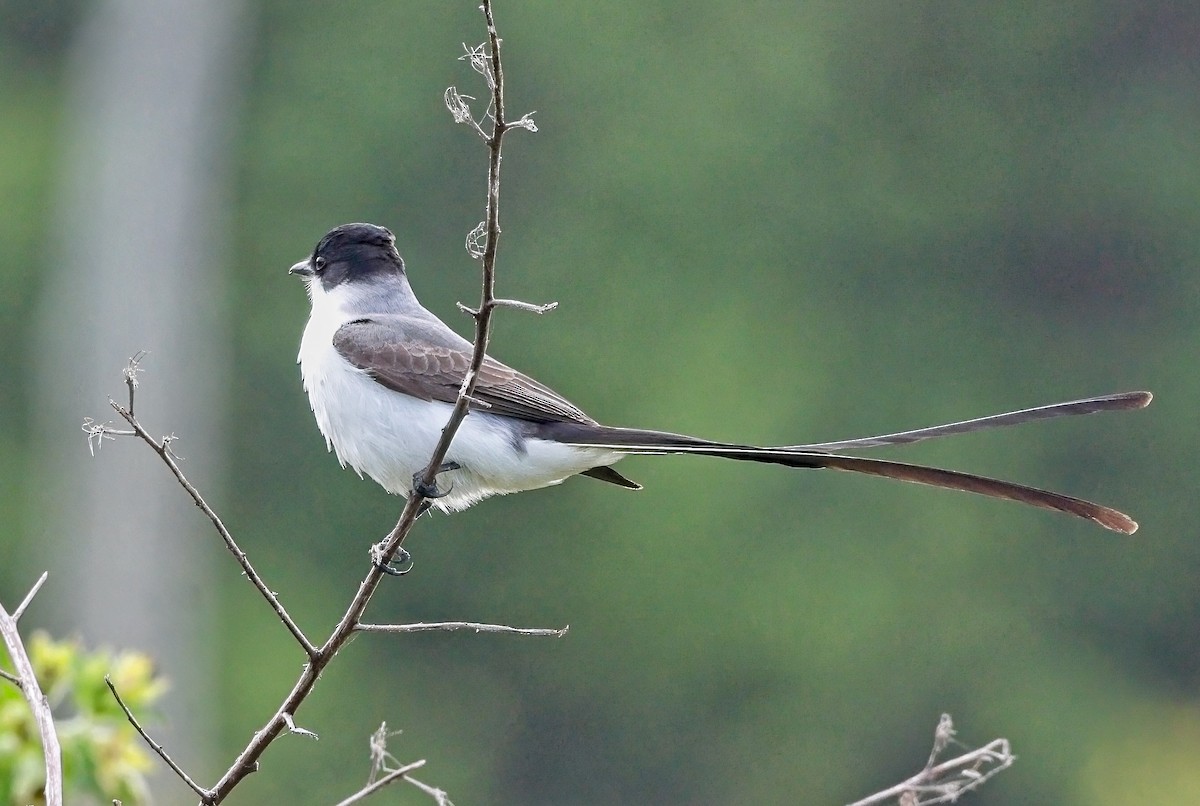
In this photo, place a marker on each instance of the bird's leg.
(402, 563)
(432, 490)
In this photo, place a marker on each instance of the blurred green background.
(768, 222)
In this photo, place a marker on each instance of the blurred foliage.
(103, 757)
(763, 221)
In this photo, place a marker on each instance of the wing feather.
(385, 347)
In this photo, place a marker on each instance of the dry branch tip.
(37, 586)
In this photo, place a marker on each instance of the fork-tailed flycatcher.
(382, 374)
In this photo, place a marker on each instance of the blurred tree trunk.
(141, 237)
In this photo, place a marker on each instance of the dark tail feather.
(920, 474)
(637, 441)
(1123, 401)
(1105, 516)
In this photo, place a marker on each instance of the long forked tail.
(820, 455)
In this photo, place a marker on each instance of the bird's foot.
(402, 562)
(400, 565)
(432, 490)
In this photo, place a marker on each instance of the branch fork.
(26, 681)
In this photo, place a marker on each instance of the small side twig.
(204, 794)
(98, 433)
(37, 586)
(449, 626)
(439, 795)
(296, 730)
(27, 682)
(390, 778)
(948, 781)
(530, 307)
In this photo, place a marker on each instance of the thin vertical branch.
(488, 303)
(247, 760)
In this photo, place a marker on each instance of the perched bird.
(382, 374)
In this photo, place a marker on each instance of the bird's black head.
(352, 253)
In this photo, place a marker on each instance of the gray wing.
(406, 356)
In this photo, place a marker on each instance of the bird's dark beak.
(303, 268)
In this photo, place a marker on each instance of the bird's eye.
(319, 264)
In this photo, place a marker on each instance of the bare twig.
(296, 730)
(391, 777)
(37, 586)
(98, 432)
(382, 761)
(204, 794)
(524, 306)
(130, 373)
(38, 704)
(530, 307)
(163, 449)
(948, 781)
(439, 796)
(943, 734)
(462, 625)
(461, 112)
